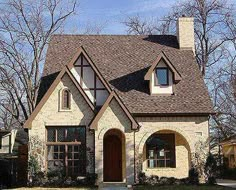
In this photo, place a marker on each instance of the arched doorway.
(112, 152)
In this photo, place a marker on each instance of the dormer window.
(66, 99)
(162, 77)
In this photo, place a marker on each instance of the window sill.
(160, 169)
(64, 110)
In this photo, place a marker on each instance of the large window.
(160, 150)
(66, 150)
(162, 76)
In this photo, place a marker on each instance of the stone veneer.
(188, 131)
(115, 118)
(51, 115)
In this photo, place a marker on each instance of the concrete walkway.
(226, 182)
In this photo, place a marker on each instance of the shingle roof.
(123, 60)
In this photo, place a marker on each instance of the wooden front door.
(112, 159)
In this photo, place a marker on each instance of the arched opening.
(166, 153)
(113, 156)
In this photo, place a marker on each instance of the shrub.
(210, 169)
(91, 178)
(193, 176)
(142, 178)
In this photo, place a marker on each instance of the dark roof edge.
(171, 114)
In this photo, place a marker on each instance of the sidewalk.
(226, 182)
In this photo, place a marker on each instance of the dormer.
(162, 76)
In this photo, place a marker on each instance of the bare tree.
(209, 27)
(215, 41)
(136, 25)
(25, 30)
(93, 28)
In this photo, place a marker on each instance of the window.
(66, 150)
(162, 77)
(66, 99)
(160, 149)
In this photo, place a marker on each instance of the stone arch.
(104, 130)
(179, 131)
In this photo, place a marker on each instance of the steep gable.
(120, 112)
(65, 73)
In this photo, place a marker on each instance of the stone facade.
(115, 118)
(188, 131)
(51, 115)
(185, 33)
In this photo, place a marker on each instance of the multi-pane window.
(66, 99)
(160, 150)
(66, 150)
(162, 76)
(90, 82)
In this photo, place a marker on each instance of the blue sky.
(110, 13)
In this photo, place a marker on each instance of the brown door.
(112, 159)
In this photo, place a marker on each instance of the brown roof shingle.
(123, 61)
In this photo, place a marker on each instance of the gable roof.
(81, 51)
(64, 71)
(113, 95)
(177, 76)
(123, 61)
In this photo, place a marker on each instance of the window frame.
(155, 150)
(156, 77)
(63, 107)
(66, 144)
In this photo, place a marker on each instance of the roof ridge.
(133, 35)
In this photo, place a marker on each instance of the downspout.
(135, 155)
(134, 161)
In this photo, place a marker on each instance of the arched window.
(66, 99)
(160, 149)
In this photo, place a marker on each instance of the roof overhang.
(177, 76)
(93, 124)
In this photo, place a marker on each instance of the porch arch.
(176, 130)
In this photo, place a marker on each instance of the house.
(8, 157)
(7, 139)
(229, 151)
(118, 105)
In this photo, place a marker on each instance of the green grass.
(182, 187)
(54, 188)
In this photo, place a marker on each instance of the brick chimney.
(185, 33)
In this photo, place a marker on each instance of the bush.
(142, 178)
(193, 176)
(155, 180)
(91, 178)
(228, 173)
(211, 169)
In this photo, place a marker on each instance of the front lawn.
(54, 188)
(182, 187)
